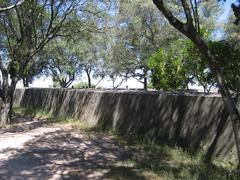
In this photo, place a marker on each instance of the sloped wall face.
(193, 122)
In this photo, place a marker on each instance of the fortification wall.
(191, 121)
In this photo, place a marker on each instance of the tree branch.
(188, 13)
(170, 17)
(2, 10)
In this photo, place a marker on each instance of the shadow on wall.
(193, 122)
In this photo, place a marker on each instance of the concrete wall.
(191, 121)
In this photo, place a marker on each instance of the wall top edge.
(121, 91)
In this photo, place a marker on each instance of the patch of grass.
(149, 160)
(37, 113)
(154, 161)
(76, 124)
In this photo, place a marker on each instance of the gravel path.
(39, 151)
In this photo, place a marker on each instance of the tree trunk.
(145, 83)
(25, 82)
(113, 83)
(211, 60)
(191, 32)
(6, 105)
(62, 84)
(227, 98)
(10, 97)
(89, 80)
(4, 112)
(4, 100)
(235, 118)
(204, 90)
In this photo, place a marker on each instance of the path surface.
(40, 151)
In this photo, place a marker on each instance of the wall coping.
(117, 91)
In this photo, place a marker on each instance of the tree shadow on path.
(22, 123)
(65, 155)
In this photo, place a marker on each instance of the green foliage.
(13, 68)
(229, 59)
(81, 85)
(62, 63)
(181, 63)
(168, 68)
(140, 30)
(197, 66)
(89, 55)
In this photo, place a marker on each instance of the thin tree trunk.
(211, 60)
(89, 80)
(226, 96)
(25, 82)
(63, 84)
(113, 83)
(145, 83)
(204, 89)
(4, 112)
(4, 100)
(235, 118)
(98, 82)
(11, 96)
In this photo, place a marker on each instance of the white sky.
(46, 82)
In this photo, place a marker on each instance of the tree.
(88, 55)
(36, 68)
(169, 70)
(198, 70)
(231, 33)
(190, 67)
(26, 29)
(116, 72)
(228, 57)
(141, 30)
(88, 50)
(189, 28)
(80, 26)
(61, 62)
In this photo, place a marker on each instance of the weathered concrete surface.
(192, 121)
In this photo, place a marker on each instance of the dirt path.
(48, 152)
(10, 140)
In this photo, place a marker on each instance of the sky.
(45, 82)
(131, 83)
(226, 10)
